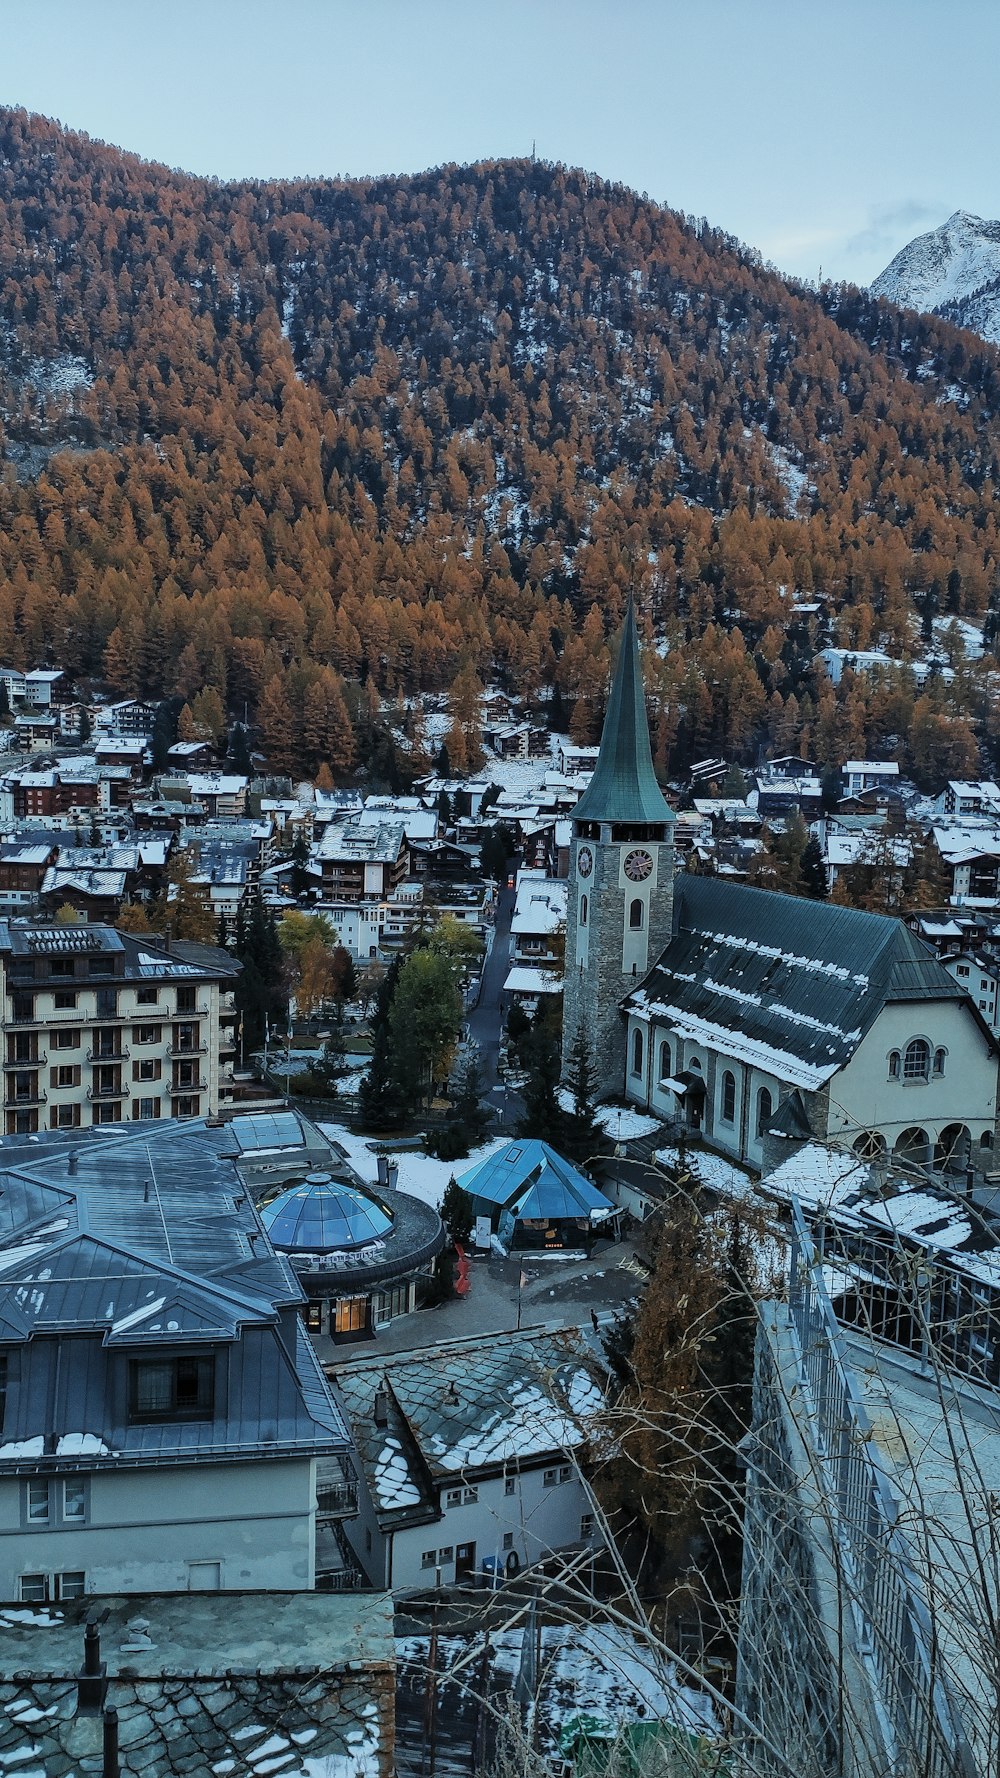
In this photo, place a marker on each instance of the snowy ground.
(595, 1669)
(605, 1670)
(623, 1122)
(421, 1175)
(714, 1171)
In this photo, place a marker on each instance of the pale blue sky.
(824, 132)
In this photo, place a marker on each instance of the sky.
(826, 133)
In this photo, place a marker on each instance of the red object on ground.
(462, 1270)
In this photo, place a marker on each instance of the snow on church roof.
(786, 983)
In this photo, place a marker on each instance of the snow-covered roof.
(873, 768)
(523, 978)
(787, 984)
(540, 905)
(465, 1409)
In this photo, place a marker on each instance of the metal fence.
(894, 1625)
(923, 1298)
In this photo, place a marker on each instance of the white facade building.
(771, 1012)
(470, 1457)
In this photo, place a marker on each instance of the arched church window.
(895, 1064)
(665, 1059)
(728, 1112)
(917, 1059)
(637, 1052)
(764, 1109)
(584, 910)
(940, 1056)
(636, 915)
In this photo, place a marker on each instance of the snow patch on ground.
(422, 1175)
(611, 1672)
(623, 1122)
(713, 1170)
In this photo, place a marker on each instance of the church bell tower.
(621, 875)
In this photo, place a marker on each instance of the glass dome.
(323, 1215)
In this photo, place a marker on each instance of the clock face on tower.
(638, 865)
(585, 861)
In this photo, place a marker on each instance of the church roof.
(788, 984)
(624, 787)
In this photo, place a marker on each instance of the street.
(485, 1020)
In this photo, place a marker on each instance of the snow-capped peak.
(953, 271)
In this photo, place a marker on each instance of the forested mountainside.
(323, 444)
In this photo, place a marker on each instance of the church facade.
(749, 1017)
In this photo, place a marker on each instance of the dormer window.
(170, 1389)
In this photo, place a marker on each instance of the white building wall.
(145, 1527)
(864, 1097)
(536, 1518)
(739, 1137)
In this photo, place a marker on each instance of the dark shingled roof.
(624, 786)
(243, 1684)
(783, 974)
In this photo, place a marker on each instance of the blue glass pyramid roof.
(323, 1215)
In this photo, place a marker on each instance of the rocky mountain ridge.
(953, 271)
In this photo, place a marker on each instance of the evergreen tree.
(424, 1023)
(540, 1055)
(379, 1101)
(580, 1076)
(239, 751)
(812, 871)
(470, 1118)
(457, 1213)
(260, 988)
(344, 977)
(498, 847)
(164, 732)
(300, 858)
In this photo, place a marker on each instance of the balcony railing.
(179, 1088)
(337, 1500)
(188, 1049)
(882, 1569)
(24, 1101)
(36, 1061)
(99, 1056)
(121, 1091)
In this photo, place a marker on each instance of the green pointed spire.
(624, 787)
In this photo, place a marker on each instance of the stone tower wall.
(604, 957)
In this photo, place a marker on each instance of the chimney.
(110, 1767)
(381, 1408)
(73, 1162)
(92, 1679)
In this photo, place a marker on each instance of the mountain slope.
(276, 436)
(953, 271)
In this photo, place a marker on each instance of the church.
(749, 1016)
